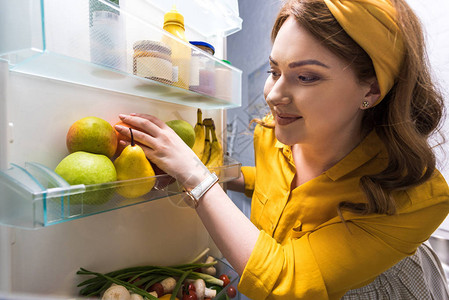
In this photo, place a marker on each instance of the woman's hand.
(165, 148)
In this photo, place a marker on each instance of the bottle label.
(153, 67)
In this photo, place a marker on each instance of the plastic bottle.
(174, 23)
(107, 41)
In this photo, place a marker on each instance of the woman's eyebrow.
(301, 63)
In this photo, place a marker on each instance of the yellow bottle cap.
(173, 17)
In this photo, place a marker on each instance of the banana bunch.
(200, 134)
(207, 141)
(206, 146)
(216, 151)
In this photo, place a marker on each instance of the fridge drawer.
(34, 196)
(93, 43)
(222, 267)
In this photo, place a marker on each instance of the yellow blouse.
(304, 250)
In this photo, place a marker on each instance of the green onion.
(147, 275)
(178, 284)
(127, 285)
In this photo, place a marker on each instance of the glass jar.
(202, 78)
(152, 60)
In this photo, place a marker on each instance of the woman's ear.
(372, 95)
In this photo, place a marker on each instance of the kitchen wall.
(248, 50)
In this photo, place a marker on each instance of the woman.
(345, 187)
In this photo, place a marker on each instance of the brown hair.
(404, 119)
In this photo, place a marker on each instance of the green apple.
(92, 134)
(184, 130)
(90, 169)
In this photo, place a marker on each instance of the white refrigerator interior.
(51, 76)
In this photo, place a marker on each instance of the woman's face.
(315, 97)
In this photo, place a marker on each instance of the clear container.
(223, 78)
(107, 42)
(202, 78)
(152, 60)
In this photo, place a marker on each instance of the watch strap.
(197, 192)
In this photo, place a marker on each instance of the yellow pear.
(133, 164)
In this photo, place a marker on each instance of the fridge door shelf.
(92, 43)
(34, 196)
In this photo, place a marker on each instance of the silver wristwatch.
(197, 192)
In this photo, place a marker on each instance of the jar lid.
(149, 45)
(204, 46)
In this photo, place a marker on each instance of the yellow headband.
(372, 25)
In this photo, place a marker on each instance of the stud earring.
(365, 104)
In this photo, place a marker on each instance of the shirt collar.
(279, 144)
(370, 146)
(286, 150)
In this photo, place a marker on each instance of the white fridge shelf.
(33, 196)
(92, 43)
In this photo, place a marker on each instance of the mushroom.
(200, 286)
(210, 293)
(136, 297)
(209, 270)
(166, 286)
(202, 291)
(116, 292)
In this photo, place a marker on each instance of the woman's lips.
(285, 119)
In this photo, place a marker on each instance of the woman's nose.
(278, 94)
(274, 101)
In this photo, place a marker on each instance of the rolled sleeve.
(326, 262)
(277, 271)
(249, 175)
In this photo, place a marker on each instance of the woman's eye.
(308, 78)
(273, 73)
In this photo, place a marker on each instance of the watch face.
(190, 200)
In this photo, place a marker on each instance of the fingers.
(146, 125)
(139, 136)
(152, 119)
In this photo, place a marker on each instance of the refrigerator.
(61, 61)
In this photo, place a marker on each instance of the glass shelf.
(34, 196)
(92, 43)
